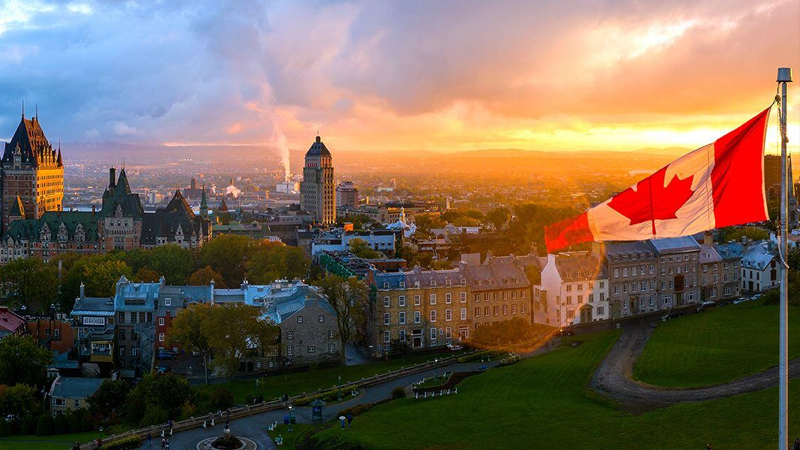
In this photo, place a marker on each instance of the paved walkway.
(613, 377)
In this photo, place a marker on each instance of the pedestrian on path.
(349, 419)
(149, 439)
(797, 443)
(163, 443)
(167, 444)
(342, 419)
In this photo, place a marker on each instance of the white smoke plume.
(233, 190)
(279, 140)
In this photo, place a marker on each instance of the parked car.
(165, 354)
(741, 300)
(706, 306)
(454, 347)
(162, 370)
(757, 296)
(567, 332)
(671, 315)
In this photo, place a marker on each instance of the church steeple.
(203, 203)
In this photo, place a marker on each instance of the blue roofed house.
(93, 319)
(760, 268)
(135, 305)
(70, 393)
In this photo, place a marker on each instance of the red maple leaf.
(652, 201)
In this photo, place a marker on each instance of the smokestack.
(112, 180)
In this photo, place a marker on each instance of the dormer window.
(433, 283)
(402, 284)
(167, 301)
(386, 285)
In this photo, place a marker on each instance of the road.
(613, 377)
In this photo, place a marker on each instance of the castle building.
(31, 174)
(317, 194)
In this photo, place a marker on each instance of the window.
(463, 313)
(505, 310)
(417, 300)
(311, 349)
(486, 311)
(477, 311)
(401, 317)
(601, 310)
(624, 272)
(433, 315)
(616, 289)
(448, 298)
(569, 288)
(448, 332)
(387, 336)
(513, 309)
(417, 317)
(570, 315)
(160, 337)
(321, 319)
(299, 319)
(433, 299)
(386, 302)
(448, 315)
(602, 284)
(402, 335)
(331, 348)
(569, 299)
(386, 285)
(401, 300)
(290, 335)
(616, 272)
(121, 317)
(386, 318)
(167, 301)
(161, 321)
(122, 334)
(602, 296)
(290, 350)
(463, 297)
(477, 298)
(121, 350)
(331, 334)
(580, 299)
(496, 310)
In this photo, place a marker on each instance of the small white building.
(574, 289)
(759, 268)
(339, 240)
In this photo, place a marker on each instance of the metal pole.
(784, 76)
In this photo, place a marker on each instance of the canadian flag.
(718, 185)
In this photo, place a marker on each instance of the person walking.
(797, 443)
(349, 419)
(163, 443)
(342, 420)
(149, 439)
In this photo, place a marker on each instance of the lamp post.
(291, 417)
(339, 387)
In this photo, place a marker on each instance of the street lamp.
(291, 418)
(339, 387)
(436, 368)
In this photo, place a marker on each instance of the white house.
(574, 289)
(759, 268)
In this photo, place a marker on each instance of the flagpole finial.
(785, 75)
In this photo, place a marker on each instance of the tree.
(157, 396)
(360, 248)
(187, 331)
(173, 261)
(99, 273)
(23, 361)
(106, 401)
(228, 254)
(498, 218)
(752, 233)
(203, 277)
(30, 283)
(349, 300)
(19, 399)
(234, 332)
(146, 275)
(274, 261)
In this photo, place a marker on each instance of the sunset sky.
(402, 75)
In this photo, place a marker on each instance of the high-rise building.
(346, 195)
(317, 195)
(32, 174)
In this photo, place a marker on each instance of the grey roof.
(73, 387)
(93, 306)
(708, 254)
(425, 277)
(643, 249)
(757, 256)
(318, 149)
(730, 251)
(675, 245)
(581, 266)
(495, 275)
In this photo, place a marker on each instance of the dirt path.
(613, 377)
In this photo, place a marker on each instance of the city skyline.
(382, 77)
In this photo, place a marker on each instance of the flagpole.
(784, 76)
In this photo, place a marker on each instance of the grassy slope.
(716, 346)
(543, 402)
(297, 383)
(54, 442)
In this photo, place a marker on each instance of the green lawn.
(54, 442)
(544, 402)
(297, 383)
(289, 439)
(716, 346)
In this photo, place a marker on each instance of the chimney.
(83, 293)
(708, 238)
(94, 209)
(112, 177)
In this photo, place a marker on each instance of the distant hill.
(669, 151)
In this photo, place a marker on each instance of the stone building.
(317, 194)
(719, 275)
(31, 174)
(678, 262)
(575, 289)
(418, 308)
(499, 291)
(346, 195)
(633, 277)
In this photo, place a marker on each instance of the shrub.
(507, 361)
(44, 426)
(5, 428)
(355, 410)
(228, 441)
(398, 392)
(126, 443)
(60, 424)
(28, 425)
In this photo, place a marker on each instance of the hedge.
(126, 443)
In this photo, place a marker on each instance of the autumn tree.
(30, 284)
(361, 248)
(228, 254)
(20, 399)
(204, 276)
(187, 331)
(172, 261)
(105, 402)
(498, 218)
(146, 275)
(349, 299)
(273, 261)
(23, 361)
(234, 332)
